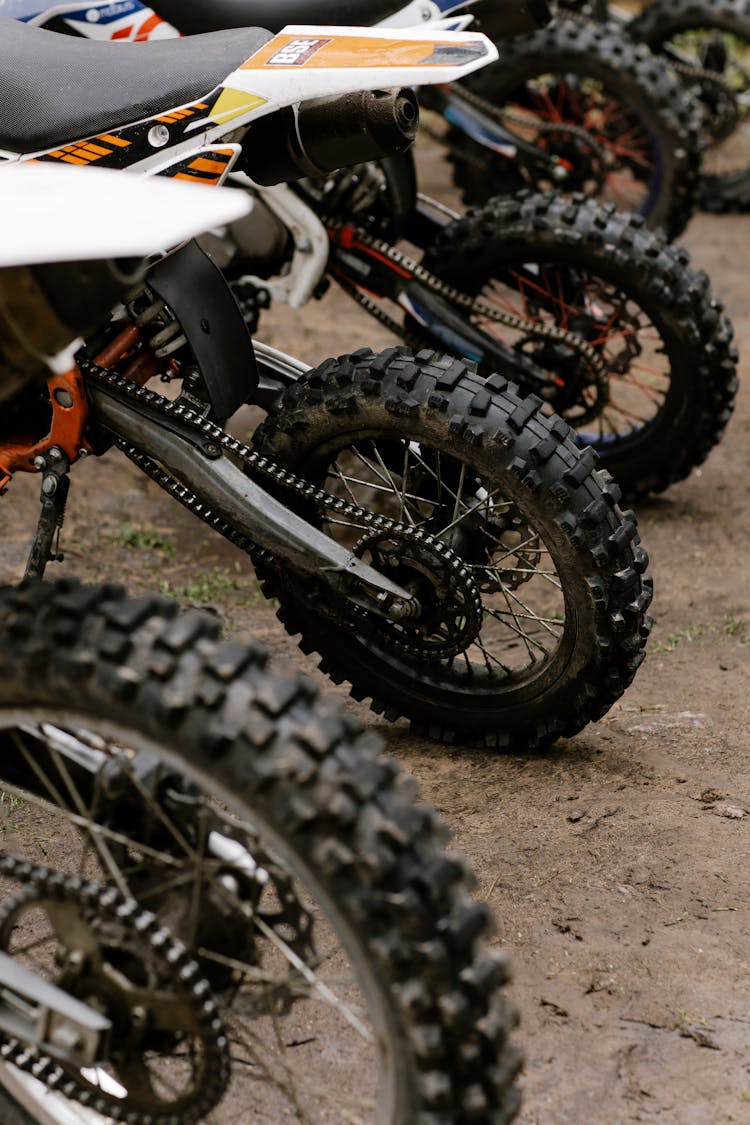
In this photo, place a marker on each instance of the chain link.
(502, 115)
(478, 307)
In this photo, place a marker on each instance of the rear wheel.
(646, 158)
(536, 623)
(603, 276)
(709, 43)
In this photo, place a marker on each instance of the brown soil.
(620, 887)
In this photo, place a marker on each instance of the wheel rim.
(330, 1054)
(622, 332)
(631, 175)
(526, 634)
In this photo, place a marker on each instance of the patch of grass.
(686, 633)
(143, 539)
(736, 627)
(210, 587)
(9, 806)
(10, 801)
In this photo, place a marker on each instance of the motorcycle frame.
(314, 256)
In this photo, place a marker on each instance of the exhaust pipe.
(320, 136)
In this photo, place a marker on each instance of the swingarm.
(195, 458)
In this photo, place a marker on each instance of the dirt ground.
(618, 880)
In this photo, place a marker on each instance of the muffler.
(320, 136)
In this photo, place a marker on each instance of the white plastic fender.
(54, 213)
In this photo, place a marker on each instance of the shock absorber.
(162, 331)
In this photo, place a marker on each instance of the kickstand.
(46, 543)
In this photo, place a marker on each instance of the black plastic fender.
(197, 293)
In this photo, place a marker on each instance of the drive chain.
(480, 308)
(213, 435)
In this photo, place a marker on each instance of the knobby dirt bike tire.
(696, 336)
(655, 26)
(312, 774)
(498, 433)
(637, 79)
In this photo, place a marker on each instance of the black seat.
(194, 16)
(55, 89)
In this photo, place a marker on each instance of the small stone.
(576, 814)
(731, 812)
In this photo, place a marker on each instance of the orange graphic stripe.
(145, 29)
(109, 139)
(348, 51)
(194, 179)
(96, 150)
(203, 164)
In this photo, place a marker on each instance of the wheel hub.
(451, 616)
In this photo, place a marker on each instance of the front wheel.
(529, 576)
(633, 297)
(224, 867)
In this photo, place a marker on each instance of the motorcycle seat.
(55, 89)
(192, 17)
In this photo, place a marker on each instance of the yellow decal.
(233, 103)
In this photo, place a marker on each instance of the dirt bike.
(213, 892)
(707, 44)
(443, 545)
(552, 293)
(616, 124)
